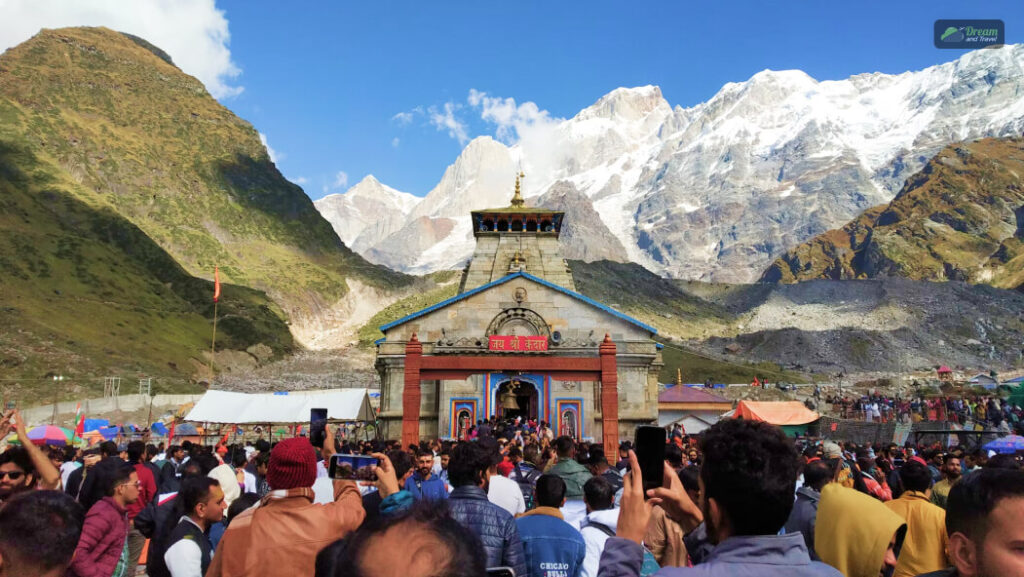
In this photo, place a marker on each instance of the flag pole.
(213, 341)
(216, 298)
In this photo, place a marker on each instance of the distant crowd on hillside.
(991, 412)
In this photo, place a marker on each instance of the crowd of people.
(989, 411)
(740, 499)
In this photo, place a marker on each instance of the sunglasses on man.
(12, 475)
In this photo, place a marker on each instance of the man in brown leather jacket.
(285, 531)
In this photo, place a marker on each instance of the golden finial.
(679, 377)
(517, 199)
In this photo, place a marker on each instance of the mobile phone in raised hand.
(317, 427)
(650, 453)
(353, 467)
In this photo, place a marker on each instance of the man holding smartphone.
(288, 529)
(747, 482)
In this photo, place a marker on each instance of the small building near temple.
(695, 409)
(518, 341)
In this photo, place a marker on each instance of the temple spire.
(517, 198)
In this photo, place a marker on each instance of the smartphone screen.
(650, 453)
(501, 572)
(353, 467)
(317, 426)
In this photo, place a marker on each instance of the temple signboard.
(509, 343)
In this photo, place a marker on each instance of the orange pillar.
(411, 393)
(609, 397)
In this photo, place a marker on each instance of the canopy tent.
(95, 424)
(1007, 445)
(269, 408)
(776, 413)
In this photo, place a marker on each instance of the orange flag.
(216, 284)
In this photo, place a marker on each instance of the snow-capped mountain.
(366, 212)
(718, 190)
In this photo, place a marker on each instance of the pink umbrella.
(48, 435)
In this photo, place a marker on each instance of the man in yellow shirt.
(924, 548)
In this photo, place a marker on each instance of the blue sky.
(324, 81)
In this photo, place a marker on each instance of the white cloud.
(446, 121)
(275, 156)
(406, 118)
(340, 180)
(513, 121)
(394, 142)
(193, 32)
(531, 130)
(299, 180)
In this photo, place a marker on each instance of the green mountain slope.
(147, 141)
(960, 218)
(86, 294)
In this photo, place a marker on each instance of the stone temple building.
(518, 340)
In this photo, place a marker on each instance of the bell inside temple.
(508, 398)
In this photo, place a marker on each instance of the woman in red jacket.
(102, 549)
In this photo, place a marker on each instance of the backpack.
(650, 565)
(527, 482)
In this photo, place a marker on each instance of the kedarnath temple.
(518, 340)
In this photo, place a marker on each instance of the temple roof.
(685, 394)
(513, 276)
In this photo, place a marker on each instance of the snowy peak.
(367, 206)
(627, 104)
(372, 189)
(718, 190)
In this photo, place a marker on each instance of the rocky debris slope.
(874, 326)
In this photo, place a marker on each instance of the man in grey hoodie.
(747, 484)
(805, 510)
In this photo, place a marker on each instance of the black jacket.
(495, 527)
(156, 522)
(187, 530)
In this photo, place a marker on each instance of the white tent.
(291, 407)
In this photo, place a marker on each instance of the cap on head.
(832, 451)
(292, 464)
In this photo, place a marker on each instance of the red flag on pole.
(216, 284)
(170, 434)
(79, 421)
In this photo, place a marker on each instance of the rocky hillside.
(876, 326)
(147, 142)
(719, 190)
(961, 218)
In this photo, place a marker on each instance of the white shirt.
(250, 482)
(595, 539)
(505, 493)
(185, 558)
(65, 471)
(323, 490)
(574, 512)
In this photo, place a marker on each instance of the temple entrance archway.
(517, 397)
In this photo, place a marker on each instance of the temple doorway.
(516, 398)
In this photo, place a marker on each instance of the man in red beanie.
(284, 532)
